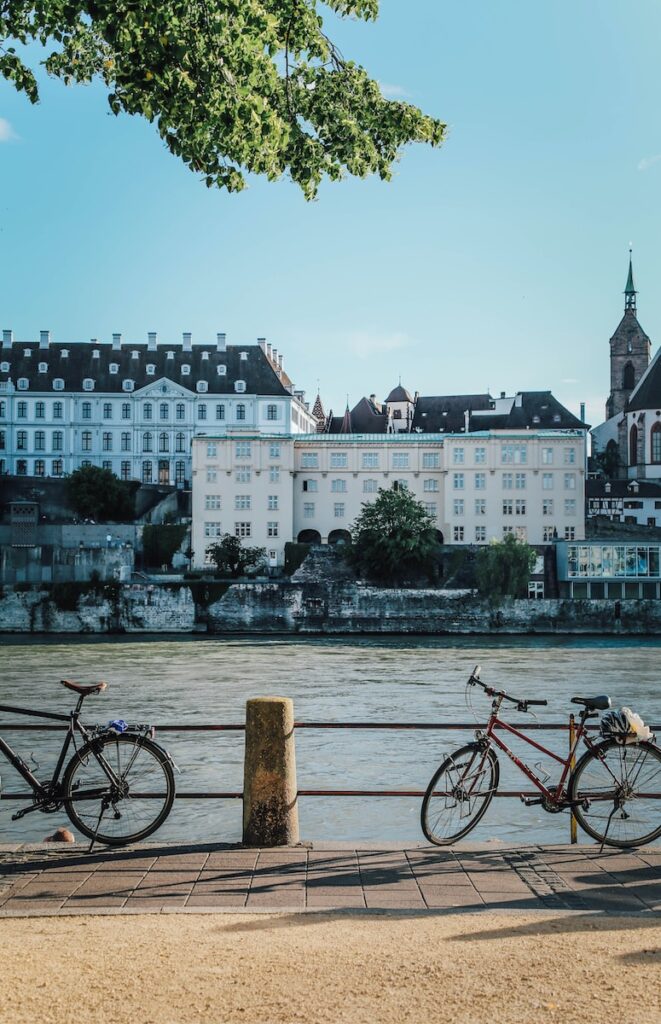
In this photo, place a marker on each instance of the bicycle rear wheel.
(615, 786)
(123, 812)
(459, 794)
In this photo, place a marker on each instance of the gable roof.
(366, 417)
(647, 393)
(446, 413)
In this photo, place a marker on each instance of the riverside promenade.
(50, 879)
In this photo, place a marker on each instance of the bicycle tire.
(145, 763)
(610, 774)
(435, 803)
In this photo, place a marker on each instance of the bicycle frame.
(74, 725)
(554, 795)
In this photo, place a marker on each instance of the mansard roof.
(446, 413)
(537, 410)
(601, 488)
(261, 375)
(647, 393)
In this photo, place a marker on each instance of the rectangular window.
(58, 467)
(547, 481)
(480, 458)
(243, 529)
(40, 440)
(58, 440)
(40, 467)
(370, 486)
(310, 460)
(547, 456)
(458, 533)
(126, 470)
(338, 509)
(271, 529)
(242, 475)
(40, 410)
(514, 454)
(58, 410)
(430, 460)
(22, 410)
(458, 456)
(480, 534)
(569, 456)
(338, 486)
(570, 506)
(547, 507)
(274, 451)
(370, 460)
(242, 450)
(86, 440)
(126, 410)
(480, 481)
(520, 507)
(272, 503)
(213, 530)
(431, 508)
(107, 442)
(87, 410)
(570, 533)
(220, 412)
(201, 412)
(430, 485)
(548, 534)
(308, 509)
(520, 481)
(212, 475)
(271, 412)
(458, 481)
(339, 460)
(22, 440)
(107, 410)
(106, 464)
(458, 507)
(274, 474)
(212, 501)
(126, 442)
(242, 501)
(311, 486)
(400, 460)
(212, 451)
(570, 481)
(508, 481)
(508, 507)
(480, 507)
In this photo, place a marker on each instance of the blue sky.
(497, 261)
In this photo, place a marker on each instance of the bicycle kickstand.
(96, 830)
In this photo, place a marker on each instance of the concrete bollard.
(270, 809)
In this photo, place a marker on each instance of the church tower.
(630, 352)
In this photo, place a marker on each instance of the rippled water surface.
(188, 680)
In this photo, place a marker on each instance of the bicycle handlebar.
(521, 704)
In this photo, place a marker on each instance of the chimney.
(44, 339)
(221, 342)
(188, 342)
(262, 344)
(274, 356)
(582, 412)
(467, 419)
(280, 359)
(7, 339)
(116, 342)
(502, 394)
(151, 341)
(268, 350)
(373, 399)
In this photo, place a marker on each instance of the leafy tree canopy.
(233, 86)
(231, 558)
(503, 568)
(393, 538)
(98, 494)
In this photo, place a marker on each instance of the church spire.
(630, 292)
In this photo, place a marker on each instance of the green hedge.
(159, 543)
(295, 554)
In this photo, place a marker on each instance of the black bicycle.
(117, 788)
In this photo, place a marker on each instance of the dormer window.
(135, 354)
(240, 386)
(185, 370)
(27, 352)
(205, 355)
(128, 385)
(96, 353)
(114, 367)
(202, 385)
(243, 355)
(43, 367)
(556, 418)
(58, 384)
(88, 384)
(221, 370)
(151, 369)
(536, 419)
(4, 367)
(64, 353)
(169, 355)
(22, 383)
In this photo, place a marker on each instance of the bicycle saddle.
(593, 703)
(84, 691)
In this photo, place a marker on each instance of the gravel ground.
(331, 967)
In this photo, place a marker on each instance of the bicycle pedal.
(531, 801)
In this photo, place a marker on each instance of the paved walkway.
(47, 879)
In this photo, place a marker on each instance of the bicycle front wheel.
(126, 810)
(618, 788)
(459, 794)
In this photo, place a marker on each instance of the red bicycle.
(613, 790)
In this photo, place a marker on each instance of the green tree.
(230, 556)
(393, 538)
(232, 86)
(503, 568)
(98, 494)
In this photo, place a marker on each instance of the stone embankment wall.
(127, 610)
(353, 608)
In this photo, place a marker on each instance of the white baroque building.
(476, 486)
(134, 408)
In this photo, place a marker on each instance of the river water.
(190, 679)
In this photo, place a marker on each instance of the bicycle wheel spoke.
(618, 792)
(458, 795)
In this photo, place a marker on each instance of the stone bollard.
(270, 810)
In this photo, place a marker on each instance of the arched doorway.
(339, 537)
(633, 446)
(309, 537)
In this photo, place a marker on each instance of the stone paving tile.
(321, 902)
(187, 862)
(215, 900)
(389, 901)
(231, 860)
(324, 881)
(449, 896)
(156, 903)
(82, 902)
(442, 878)
(497, 881)
(276, 899)
(32, 904)
(142, 864)
(157, 879)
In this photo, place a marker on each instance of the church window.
(655, 439)
(628, 377)
(633, 445)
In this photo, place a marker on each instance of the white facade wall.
(476, 487)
